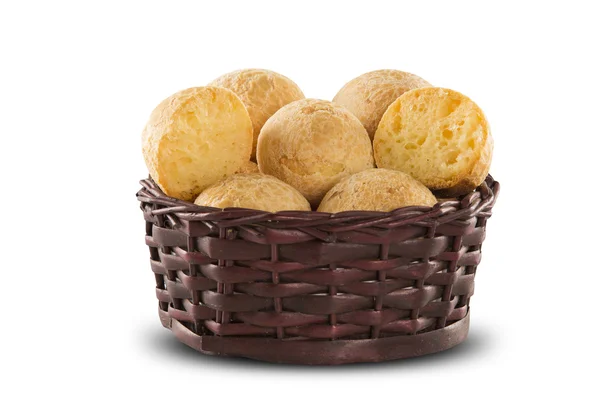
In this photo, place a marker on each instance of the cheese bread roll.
(376, 189)
(438, 136)
(262, 91)
(369, 95)
(255, 191)
(195, 138)
(312, 145)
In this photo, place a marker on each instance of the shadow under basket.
(305, 287)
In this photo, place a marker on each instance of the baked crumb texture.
(195, 138)
(438, 136)
(369, 95)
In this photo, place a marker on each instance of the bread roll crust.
(263, 92)
(439, 136)
(369, 95)
(249, 167)
(376, 189)
(256, 191)
(194, 138)
(313, 144)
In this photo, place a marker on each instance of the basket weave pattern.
(243, 282)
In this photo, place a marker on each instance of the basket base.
(334, 352)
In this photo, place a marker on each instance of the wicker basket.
(316, 288)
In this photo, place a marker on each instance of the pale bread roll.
(376, 189)
(255, 191)
(195, 138)
(369, 95)
(438, 136)
(263, 92)
(312, 145)
(249, 167)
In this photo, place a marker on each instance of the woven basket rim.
(483, 196)
(239, 282)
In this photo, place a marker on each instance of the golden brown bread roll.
(438, 136)
(195, 138)
(369, 95)
(262, 91)
(376, 189)
(313, 144)
(249, 167)
(255, 191)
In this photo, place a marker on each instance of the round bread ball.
(249, 167)
(370, 94)
(376, 189)
(263, 92)
(312, 145)
(255, 191)
(195, 138)
(438, 136)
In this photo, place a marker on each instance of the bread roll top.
(263, 92)
(369, 95)
(256, 191)
(312, 144)
(376, 189)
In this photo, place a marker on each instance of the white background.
(77, 83)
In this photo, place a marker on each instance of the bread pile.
(250, 139)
